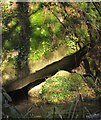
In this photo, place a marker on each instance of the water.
(36, 108)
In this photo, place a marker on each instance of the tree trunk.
(22, 60)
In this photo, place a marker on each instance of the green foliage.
(65, 21)
(43, 48)
(35, 18)
(61, 88)
(71, 41)
(75, 81)
(55, 89)
(44, 23)
(90, 80)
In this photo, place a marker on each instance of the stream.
(34, 107)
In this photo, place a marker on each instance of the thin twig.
(77, 100)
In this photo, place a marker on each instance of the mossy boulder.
(63, 87)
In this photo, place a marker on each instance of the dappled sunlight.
(51, 60)
(64, 86)
(47, 59)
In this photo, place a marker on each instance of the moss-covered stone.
(63, 87)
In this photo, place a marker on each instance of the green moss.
(55, 89)
(75, 81)
(43, 48)
(35, 18)
(63, 87)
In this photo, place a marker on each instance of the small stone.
(35, 91)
